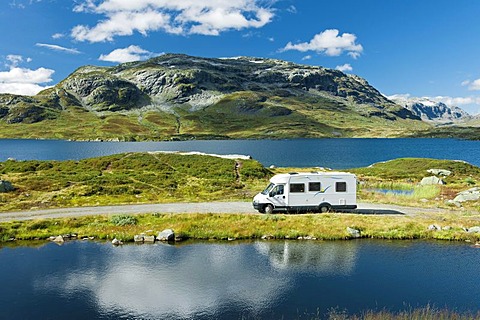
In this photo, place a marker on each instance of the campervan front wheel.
(324, 208)
(268, 209)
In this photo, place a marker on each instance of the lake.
(235, 280)
(331, 153)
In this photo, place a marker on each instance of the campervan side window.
(341, 187)
(297, 187)
(314, 186)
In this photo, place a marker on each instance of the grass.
(332, 226)
(129, 178)
(406, 174)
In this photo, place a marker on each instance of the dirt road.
(203, 207)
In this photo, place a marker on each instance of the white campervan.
(314, 191)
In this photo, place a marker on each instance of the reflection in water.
(181, 282)
(329, 258)
(267, 280)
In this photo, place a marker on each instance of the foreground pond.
(292, 279)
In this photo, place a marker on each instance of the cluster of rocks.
(472, 194)
(64, 237)
(167, 235)
(436, 227)
(435, 179)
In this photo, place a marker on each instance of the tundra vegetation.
(162, 177)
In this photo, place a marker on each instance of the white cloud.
(206, 17)
(22, 80)
(131, 53)
(474, 85)
(57, 48)
(57, 35)
(330, 43)
(307, 57)
(344, 68)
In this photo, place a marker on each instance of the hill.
(177, 96)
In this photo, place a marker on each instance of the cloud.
(22, 80)
(474, 85)
(205, 17)
(57, 35)
(57, 48)
(330, 43)
(131, 53)
(344, 68)
(307, 57)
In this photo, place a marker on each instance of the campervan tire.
(268, 209)
(324, 208)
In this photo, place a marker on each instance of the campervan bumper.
(256, 205)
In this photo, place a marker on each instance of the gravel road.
(202, 207)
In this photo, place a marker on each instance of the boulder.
(138, 238)
(116, 242)
(475, 229)
(149, 239)
(472, 194)
(434, 227)
(355, 233)
(59, 239)
(6, 186)
(166, 235)
(431, 180)
(440, 172)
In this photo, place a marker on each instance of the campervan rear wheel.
(324, 208)
(268, 209)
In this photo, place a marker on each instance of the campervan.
(314, 191)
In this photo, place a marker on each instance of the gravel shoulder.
(201, 207)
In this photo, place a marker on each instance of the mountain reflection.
(326, 258)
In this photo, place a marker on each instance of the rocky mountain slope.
(179, 96)
(435, 112)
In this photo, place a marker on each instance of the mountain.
(183, 97)
(432, 111)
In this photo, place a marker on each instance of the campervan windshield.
(268, 188)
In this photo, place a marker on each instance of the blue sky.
(427, 48)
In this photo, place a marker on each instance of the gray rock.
(441, 172)
(475, 229)
(116, 242)
(434, 227)
(138, 238)
(446, 228)
(59, 239)
(472, 194)
(166, 235)
(431, 180)
(354, 232)
(150, 239)
(6, 186)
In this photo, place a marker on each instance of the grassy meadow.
(168, 177)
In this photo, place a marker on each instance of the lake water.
(332, 153)
(239, 280)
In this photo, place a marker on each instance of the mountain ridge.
(181, 96)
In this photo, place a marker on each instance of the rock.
(446, 228)
(441, 172)
(138, 238)
(267, 237)
(150, 239)
(431, 180)
(6, 186)
(59, 239)
(475, 229)
(116, 242)
(355, 233)
(434, 227)
(472, 194)
(166, 235)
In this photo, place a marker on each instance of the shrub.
(123, 220)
